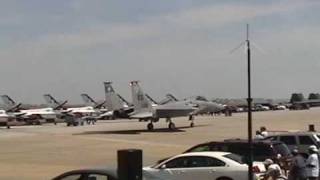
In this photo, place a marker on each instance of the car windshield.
(235, 157)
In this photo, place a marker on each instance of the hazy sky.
(67, 47)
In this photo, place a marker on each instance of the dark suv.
(299, 140)
(262, 149)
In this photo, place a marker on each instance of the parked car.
(299, 140)
(262, 149)
(200, 165)
(299, 106)
(88, 174)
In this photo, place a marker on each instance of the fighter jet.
(143, 110)
(203, 106)
(29, 115)
(52, 102)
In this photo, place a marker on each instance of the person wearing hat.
(312, 163)
(298, 167)
(273, 170)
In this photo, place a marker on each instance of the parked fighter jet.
(143, 109)
(32, 116)
(203, 106)
(52, 102)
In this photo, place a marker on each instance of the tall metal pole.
(250, 173)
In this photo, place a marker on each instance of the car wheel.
(224, 178)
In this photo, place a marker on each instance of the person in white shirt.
(312, 163)
(264, 131)
(258, 135)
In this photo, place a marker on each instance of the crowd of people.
(301, 168)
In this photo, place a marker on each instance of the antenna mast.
(249, 100)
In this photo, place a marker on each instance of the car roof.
(295, 133)
(205, 153)
(255, 141)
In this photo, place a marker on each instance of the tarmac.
(43, 152)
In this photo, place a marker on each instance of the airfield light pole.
(249, 100)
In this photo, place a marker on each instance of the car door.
(171, 170)
(204, 168)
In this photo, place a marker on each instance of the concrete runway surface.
(42, 152)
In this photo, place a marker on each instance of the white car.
(199, 166)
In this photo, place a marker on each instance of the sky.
(66, 48)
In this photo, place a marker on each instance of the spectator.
(264, 131)
(258, 135)
(298, 167)
(274, 171)
(312, 163)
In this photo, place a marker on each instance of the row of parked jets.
(143, 107)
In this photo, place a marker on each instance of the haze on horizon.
(182, 47)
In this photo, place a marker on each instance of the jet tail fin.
(168, 99)
(10, 103)
(52, 102)
(124, 100)
(171, 97)
(113, 102)
(139, 99)
(151, 99)
(88, 100)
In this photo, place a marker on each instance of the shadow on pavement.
(139, 131)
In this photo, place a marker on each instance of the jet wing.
(19, 114)
(106, 114)
(141, 115)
